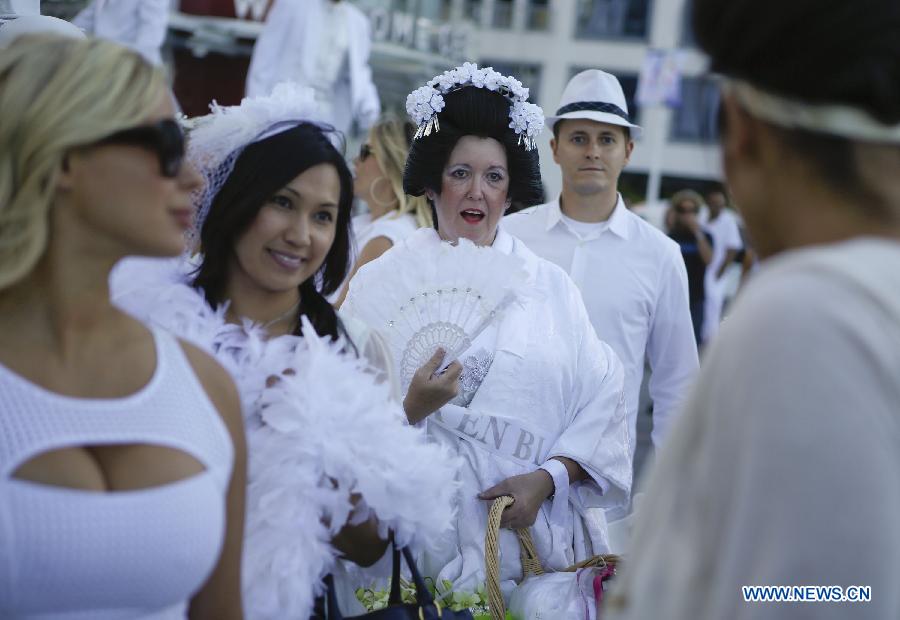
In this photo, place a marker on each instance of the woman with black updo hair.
(539, 410)
(784, 468)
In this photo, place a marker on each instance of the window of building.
(629, 82)
(528, 74)
(473, 10)
(503, 14)
(446, 10)
(613, 19)
(538, 15)
(696, 119)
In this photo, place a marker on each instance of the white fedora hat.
(596, 96)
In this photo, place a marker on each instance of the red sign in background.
(218, 74)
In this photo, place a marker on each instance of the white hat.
(36, 24)
(596, 96)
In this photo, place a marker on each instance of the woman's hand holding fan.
(431, 388)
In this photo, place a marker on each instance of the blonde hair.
(57, 94)
(689, 195)
(390, 140)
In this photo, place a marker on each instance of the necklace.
(282, 317)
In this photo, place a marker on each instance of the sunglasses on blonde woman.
(165, 138)
(364, 152)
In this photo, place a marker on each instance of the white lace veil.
(218, 139)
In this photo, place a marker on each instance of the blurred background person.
(696, 249)
(137, 24)
(13, 25)
(722, 224)
(788, 448)
(378, 181)
(122, 461)
(323, 44)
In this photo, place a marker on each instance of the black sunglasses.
(165, 137)
(364, 151)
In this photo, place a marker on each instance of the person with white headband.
(784, 469)
(333, 469)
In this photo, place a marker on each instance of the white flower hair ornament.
(424, 104)
(218, 139)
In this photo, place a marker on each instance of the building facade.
(542, 42)
(545, 42)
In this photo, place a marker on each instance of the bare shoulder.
(218, 384)
(374, 248)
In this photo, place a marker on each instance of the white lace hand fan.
(426, 294)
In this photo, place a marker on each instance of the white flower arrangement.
(424, 103)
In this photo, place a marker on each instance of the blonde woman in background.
(378, 182)
(122, 462)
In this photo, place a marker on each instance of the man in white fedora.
(631, 276)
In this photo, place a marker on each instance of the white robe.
(553, 389)
(784, 468)
(137, 24)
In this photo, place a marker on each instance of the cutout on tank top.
(109, 468)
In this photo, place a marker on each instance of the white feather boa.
(318, 433)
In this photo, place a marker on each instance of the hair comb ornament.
(424, 104)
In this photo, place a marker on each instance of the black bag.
(425, 609)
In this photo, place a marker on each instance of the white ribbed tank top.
(74, 554)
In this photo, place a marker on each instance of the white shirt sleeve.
(266, 62)
(86, 18)
(369, 103)
(732, 236)
(152, 23)
(597, 436)
(671, 347)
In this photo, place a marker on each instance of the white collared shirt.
(634, 284)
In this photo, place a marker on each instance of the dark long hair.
(472, 111)
(262, 169)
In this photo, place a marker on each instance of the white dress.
(550, 388)
(71, 554)
(785, 467)
(395, 227)
(320, 427)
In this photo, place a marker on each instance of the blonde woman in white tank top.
(122, 460)
(378, 181)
